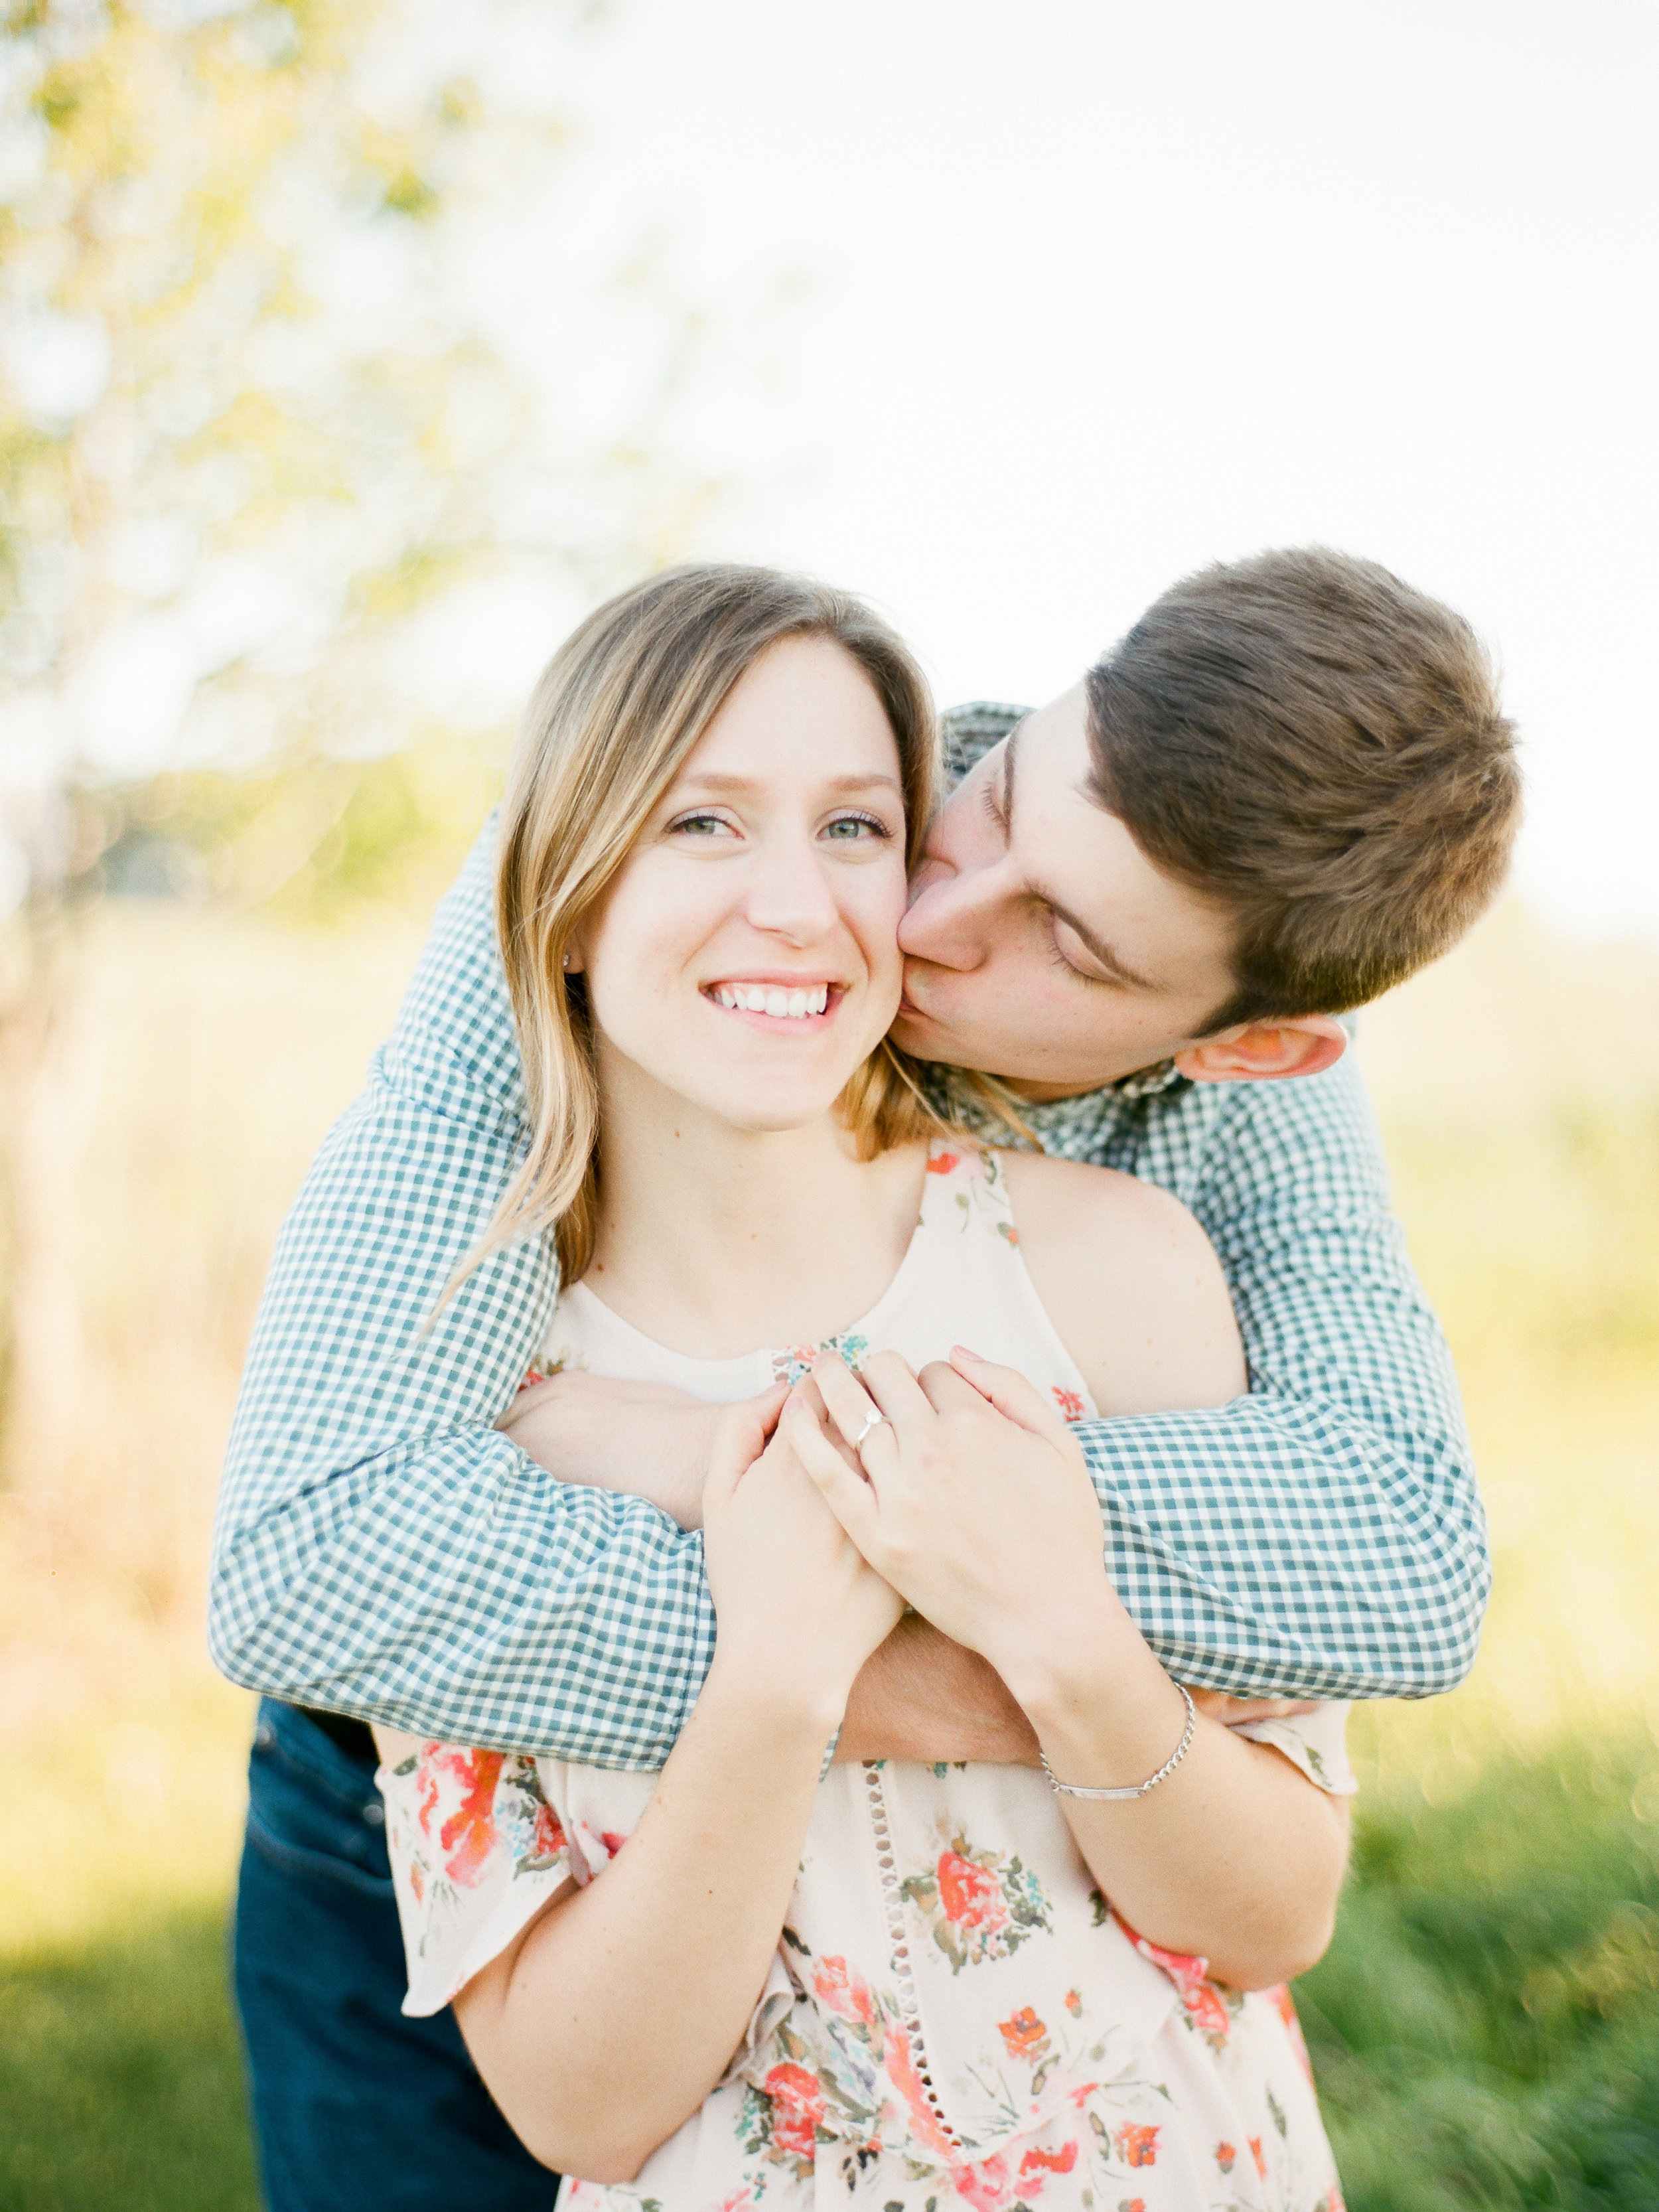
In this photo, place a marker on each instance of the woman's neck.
(717, 1241)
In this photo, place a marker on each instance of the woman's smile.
(803, 1003)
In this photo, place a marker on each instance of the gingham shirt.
(381, 1550)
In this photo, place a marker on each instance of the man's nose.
(951, 912)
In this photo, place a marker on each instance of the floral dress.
(954, 2016)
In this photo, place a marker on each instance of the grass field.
(1486, 2026)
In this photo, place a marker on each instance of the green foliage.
(311, 845)
(293, 426)
(1485, 2027)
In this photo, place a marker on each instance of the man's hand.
(922, 1697)
(1234, 1712)
(644, 1438)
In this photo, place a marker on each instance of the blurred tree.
(302, 473)
(263, 416)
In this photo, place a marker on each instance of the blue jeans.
(354, 2105)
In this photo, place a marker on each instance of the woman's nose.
(789, 895)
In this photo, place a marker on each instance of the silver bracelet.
(1137, 1788)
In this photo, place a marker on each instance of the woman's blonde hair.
(620, 707)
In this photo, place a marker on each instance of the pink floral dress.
(955, 2016)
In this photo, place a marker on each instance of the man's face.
(1041, 944)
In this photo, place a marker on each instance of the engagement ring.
(873, 1421)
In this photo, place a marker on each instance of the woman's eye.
(701, 825)
(847, 828)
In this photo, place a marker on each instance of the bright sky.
(1093, 293)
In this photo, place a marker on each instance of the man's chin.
(913, 1033)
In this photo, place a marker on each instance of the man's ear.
(1265, 1052)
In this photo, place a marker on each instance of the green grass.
(1485, 2027)
(120, 2079)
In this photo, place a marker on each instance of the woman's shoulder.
(1131, 1281)
(1076, 1203)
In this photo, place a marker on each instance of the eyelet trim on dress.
(898, 1945)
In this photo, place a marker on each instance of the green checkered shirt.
(380, 1549)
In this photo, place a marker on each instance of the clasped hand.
(796, 1605)
(971, 1498)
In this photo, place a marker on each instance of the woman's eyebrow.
(714, 780)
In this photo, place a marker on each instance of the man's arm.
(379, 1548)
(1324, 1534)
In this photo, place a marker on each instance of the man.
(1137, 919)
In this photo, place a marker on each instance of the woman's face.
(744, 958)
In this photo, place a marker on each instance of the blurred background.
(350, 349)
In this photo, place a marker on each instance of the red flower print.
(970, 1895)
(1070, 1404)
(988, 2186)
(1280, 1999)
(417, 1881)
(901, 2071)
(468, 1833)
(1206, 2011)
(1075, 2004)
(797, 2110)
(532, 1376)
(1039, 2162)
(841, 1990)
(612, 1842)
(1190, 1975)
(944, 1164)
(427, 1792)
(1137, 2146)
(1022, 2031)
(1225, 2156)
(546, 1836)
(1257, 2155)
(1131, 2204)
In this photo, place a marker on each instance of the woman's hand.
(971, 1498)
(797, 1606)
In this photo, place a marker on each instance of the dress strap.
(965, 1188)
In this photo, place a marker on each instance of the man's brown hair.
(1318, 748)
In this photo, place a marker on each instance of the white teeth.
(771, 998)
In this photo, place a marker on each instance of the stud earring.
(566, 962)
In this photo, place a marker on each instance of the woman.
(976, 1982)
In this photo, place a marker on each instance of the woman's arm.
(603, 2027)
(1235, 1857)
